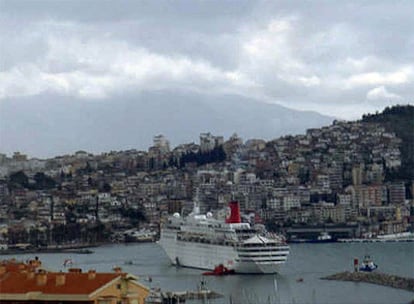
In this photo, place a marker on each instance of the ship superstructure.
(201, 241)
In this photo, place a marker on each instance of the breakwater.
(374, 278)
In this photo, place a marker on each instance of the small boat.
(323, 237)
(219, 270)
(367, 264)
(67, 263)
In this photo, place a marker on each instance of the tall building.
(17, 156)
(161, 142)
(369, 195)
(335, 176)
(376, 174)
(396, 193)
(358, 174)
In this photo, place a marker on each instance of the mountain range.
(50, 125)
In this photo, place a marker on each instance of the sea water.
(298, 281)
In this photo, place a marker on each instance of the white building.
(208, 142)
(161, 143)
(291, 201)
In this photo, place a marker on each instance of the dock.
(378, 278)
(182, 296)
(175, 297)
(375, 240)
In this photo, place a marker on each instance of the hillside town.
(331, 179)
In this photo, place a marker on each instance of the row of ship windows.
(168, 236)
(262, 244)
(255, 248)
(263, 249)
(261, 261)
(203, 240)
(261, 256)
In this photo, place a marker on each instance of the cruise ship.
(201, 241)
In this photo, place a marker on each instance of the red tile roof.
(75, 283)
(15, 266)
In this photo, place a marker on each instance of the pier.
(176, 297)
(157, 296)
(376, 240)
(374, 278)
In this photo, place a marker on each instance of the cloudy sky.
(339, 58)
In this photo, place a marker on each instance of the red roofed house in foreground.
(27, 283)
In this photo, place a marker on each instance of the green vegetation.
(41, 181)
(135, 216)
(18, 179)
(400, 120)
(200, 158)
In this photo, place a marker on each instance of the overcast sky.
(339, 58)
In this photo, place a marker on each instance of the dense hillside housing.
(342, 174)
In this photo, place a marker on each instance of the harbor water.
(298, 281)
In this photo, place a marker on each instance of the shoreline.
(72, 248)
(77, 249)
(381, 240)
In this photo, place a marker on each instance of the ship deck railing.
(274, 245)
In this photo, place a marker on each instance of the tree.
(304, 175)
(106, 187)
(400, 120)
(201, 158)
(43, 181)
(135, 215)
(18, 179)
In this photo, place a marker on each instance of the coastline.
(377, 240)
(67, 248)
(87, 248)
(72, 248)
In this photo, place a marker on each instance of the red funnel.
(234, 216)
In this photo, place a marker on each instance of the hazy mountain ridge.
(61, 125)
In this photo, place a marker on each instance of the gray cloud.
(337, 58)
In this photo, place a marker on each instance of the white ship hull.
(208, 256)
(200, 241)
